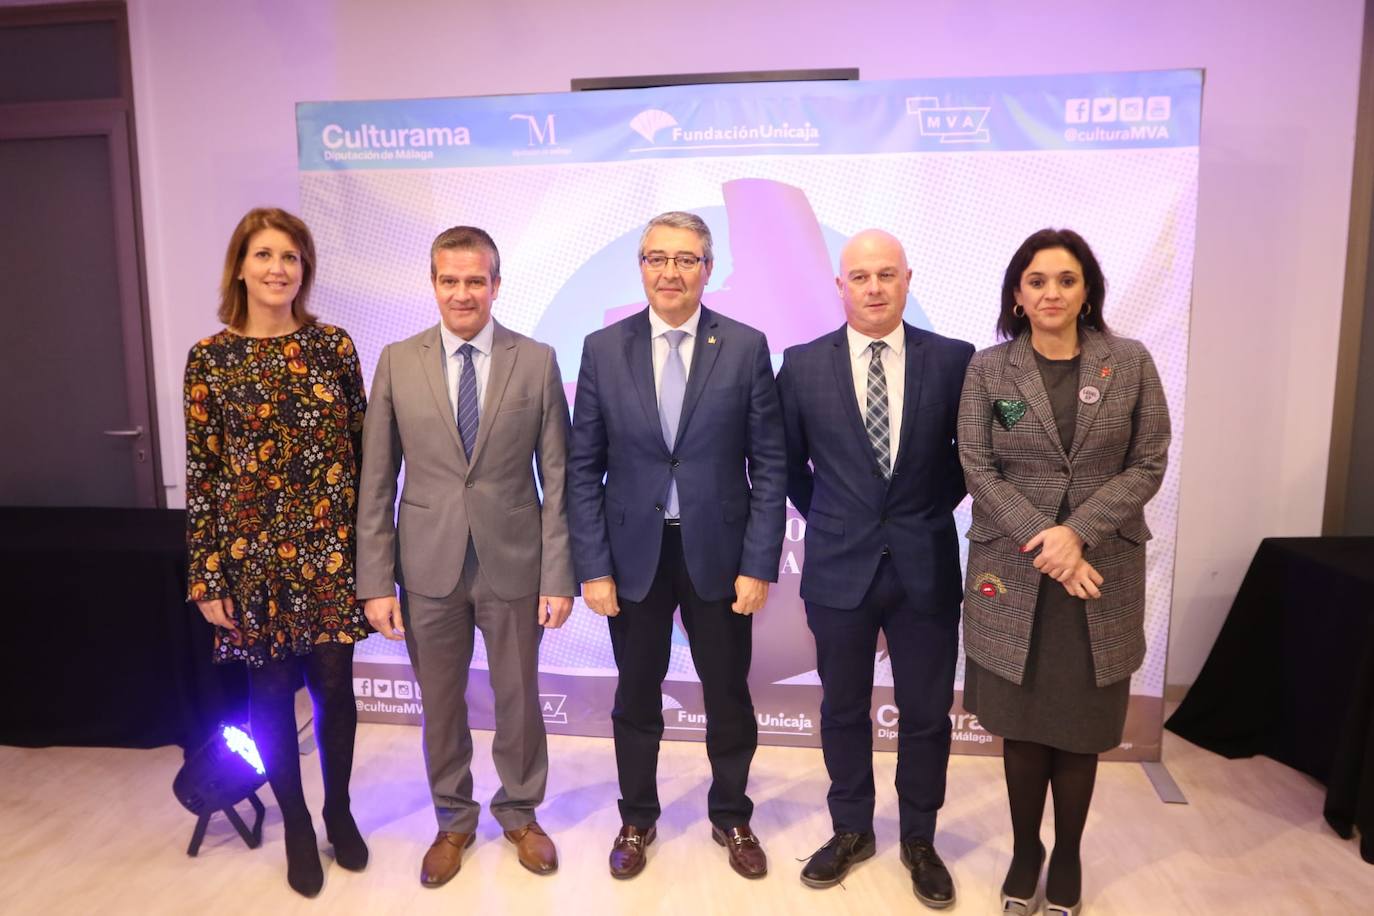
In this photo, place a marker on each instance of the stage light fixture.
(224, 771)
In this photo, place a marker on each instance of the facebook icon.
(1077, 111)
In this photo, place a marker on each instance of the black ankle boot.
(303, 870)
(350, 850)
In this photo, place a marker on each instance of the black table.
(102, 648)
(1292, 673)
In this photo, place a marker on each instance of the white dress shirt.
(657, 328)
(894, 369)
(453, 364)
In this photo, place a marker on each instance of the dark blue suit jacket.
(852, 513)
(619, 466)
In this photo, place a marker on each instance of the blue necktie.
(467, 401)
(672, 385)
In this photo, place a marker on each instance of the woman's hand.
(1083, 581)
(219, 611)
(1060, 551)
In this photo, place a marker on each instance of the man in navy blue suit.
(870, 415)
(676, 498)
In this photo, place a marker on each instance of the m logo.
(539, 135)
(650, 121)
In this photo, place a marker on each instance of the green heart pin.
(1008, 412)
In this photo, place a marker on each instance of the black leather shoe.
(829, 864)
(929, 878)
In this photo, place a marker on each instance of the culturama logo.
(368, 141)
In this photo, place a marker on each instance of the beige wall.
(216, 84)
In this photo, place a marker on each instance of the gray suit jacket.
(1019, 476)
(521, 544)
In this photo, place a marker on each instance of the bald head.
(871, 242)
(873, 282)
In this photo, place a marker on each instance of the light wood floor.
(98, 831)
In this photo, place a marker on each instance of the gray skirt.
(1058, 702)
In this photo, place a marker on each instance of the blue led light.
(238, 741)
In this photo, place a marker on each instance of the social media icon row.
(1109, 109)
(385, 688)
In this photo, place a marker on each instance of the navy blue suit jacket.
(619, 466)
(852, 513)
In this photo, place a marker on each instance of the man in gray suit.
(472, 408)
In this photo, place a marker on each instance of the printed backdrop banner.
(961, 170)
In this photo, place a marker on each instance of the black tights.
(1031, 769)
(329, 676)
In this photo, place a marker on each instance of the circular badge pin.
(989, 585)
(1089, 395)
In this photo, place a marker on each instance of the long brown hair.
(233, 297)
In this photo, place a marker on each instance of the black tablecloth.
(1292, 673)
(102, 648)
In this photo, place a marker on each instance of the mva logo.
(951, 123)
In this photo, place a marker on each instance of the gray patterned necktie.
(875, 416)
(467, 400)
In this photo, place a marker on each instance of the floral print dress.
(273, 446)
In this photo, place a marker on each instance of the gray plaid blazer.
(1018, 475)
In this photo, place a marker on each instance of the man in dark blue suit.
(870, 415)
(676, 498)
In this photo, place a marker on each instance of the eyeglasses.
(684, 262)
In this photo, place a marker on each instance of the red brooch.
(989, 585)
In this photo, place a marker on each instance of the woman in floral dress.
(274, 417)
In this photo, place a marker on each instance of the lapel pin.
(989, 585)
(1106, 371)
(1009, 412)
(711, 339)
(1089, 395)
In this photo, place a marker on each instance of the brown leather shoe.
(534, 849)
(444, 858)
(746, 855)
(628, 853)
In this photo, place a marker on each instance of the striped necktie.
(875, 416)
(467, 400)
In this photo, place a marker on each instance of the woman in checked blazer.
(1063, 436)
